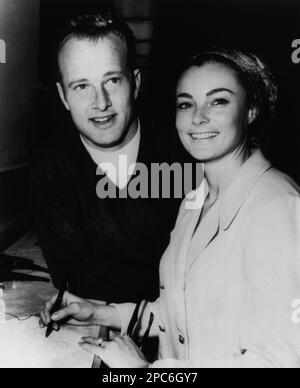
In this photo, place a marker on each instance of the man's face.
(98, 89)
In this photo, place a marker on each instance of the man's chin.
(103, 143)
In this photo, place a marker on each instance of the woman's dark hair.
(256, 78)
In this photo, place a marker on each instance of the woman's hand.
(122, 352)
(75, 310)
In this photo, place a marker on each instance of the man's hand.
(122, 352)
(75, 310)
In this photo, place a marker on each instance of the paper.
(24, 345)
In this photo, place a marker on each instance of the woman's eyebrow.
(214, 91)
(184, 95)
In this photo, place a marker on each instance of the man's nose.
(101, 99)
(200, 116)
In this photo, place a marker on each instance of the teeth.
(204, 136)
(102, 120)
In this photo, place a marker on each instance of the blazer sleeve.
(272, 270)
(268, 337)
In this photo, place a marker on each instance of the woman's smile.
(204, 135)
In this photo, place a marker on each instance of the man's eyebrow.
(79, 81)
(84, 80)
(214, 91)
(116, 72)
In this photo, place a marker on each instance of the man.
(106, 249)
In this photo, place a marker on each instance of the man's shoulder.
(58, 150)
(58, 160)
(48, 158)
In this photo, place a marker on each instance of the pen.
(55, 308)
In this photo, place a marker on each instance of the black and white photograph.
(149, 186)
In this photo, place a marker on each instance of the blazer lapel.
(205, 233)
(238, 192)
(225, 211)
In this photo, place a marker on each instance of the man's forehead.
(108, 51)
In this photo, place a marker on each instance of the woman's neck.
(220, 173)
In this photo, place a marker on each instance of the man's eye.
(220, 102)
(81, 87)
(114, 81)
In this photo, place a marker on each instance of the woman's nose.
(101, 100)
(200, 116)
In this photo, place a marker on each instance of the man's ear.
(62, 95)
(252, 114)
(137, 82)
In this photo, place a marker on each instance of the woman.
(232, 269)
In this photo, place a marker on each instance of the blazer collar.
(240, 188)
(225, 211)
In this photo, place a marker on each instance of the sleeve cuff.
(125, 311)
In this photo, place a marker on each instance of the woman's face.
(212, 111)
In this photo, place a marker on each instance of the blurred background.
(167, 32)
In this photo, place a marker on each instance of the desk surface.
(27, 298)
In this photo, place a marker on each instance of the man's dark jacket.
(106, 249)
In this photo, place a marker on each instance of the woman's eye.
(220, 102)
(184, 106)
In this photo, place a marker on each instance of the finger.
(56, 327)
(118, 339)
(42, 321)
(114, 335)
(48, 307)
(66, 312)
(127, 339)
(97, 350)
(93, 341)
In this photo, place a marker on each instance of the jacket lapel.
(205, 233)
(227, 208)
(240, 189)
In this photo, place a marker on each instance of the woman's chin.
(202, 156)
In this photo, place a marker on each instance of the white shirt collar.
(120, 176)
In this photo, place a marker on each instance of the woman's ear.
(252, 114)
(62, 95)
(137, 82)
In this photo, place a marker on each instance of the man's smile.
(103, 120)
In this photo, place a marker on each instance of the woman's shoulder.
(275, 184)
(281, 182)
(275, 195)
